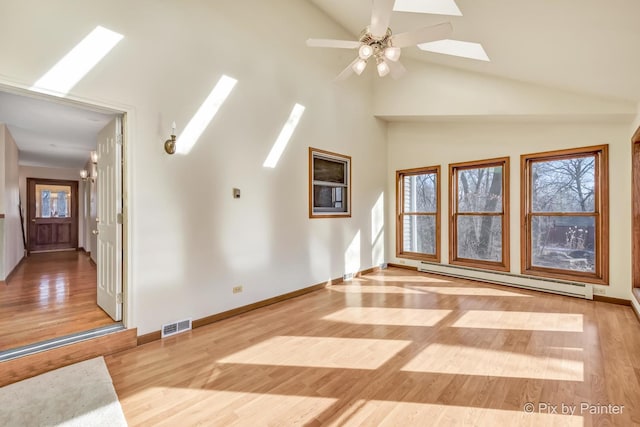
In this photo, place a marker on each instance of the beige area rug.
(76, 395)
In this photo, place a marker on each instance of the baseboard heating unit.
(562, 287)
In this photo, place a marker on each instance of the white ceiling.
(51, 133)
(588, 46)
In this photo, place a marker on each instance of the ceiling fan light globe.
(383, 68)
(365, 51)
(359, 66)
(392, 53)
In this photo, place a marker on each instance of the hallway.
(48, 296)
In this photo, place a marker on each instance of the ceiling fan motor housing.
(378, 44)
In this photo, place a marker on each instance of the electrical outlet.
(237, 289)
(599, 291)
(401, 261)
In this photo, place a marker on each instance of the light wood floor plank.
(371, 358)
(49, 295)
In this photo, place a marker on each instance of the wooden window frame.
(503, 265)
(313, 152)
(600, 214)
(635, 214)
(400, 174)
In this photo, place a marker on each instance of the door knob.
(33, 220)
(95, 232)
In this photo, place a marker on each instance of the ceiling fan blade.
(380, 17)
(396, 69)
(346, 73)
(422, 35)
(342, 44)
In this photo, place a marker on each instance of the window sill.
(418, 257)
(564, 276)
(483, 265)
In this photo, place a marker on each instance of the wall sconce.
(170, 144)
(84, 174)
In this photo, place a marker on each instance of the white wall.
(89, 214)
(13, 246)
(191, 241)
(425, 144)
(437, 92)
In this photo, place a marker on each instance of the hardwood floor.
(394, 348)
(48, 296)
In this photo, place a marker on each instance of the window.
(418, 213)
(565, 214)
(53, 201)
(479, 208)
(329, 184)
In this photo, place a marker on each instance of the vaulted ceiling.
(585, 46)
(588, 46)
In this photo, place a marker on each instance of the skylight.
(63, 76)
(456, 48)
(436, 7)
(205, 114)
(284, 137)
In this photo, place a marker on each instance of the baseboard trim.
(405, 267)
(634, 306)
(156, 335)
(91, 261)
(150, 337)
(13, 271)
(611, 300)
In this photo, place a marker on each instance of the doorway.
(58, 282)
(52, 215)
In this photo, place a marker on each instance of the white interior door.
(109, 221)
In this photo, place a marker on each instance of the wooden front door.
(52, 214)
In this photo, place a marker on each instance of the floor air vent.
(176, 327)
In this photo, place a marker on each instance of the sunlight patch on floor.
(405, 279)
(320, 352)
(558, 363)
(386, 413)
(484, 292)
(366, 289)
(388, 316)
(213, 407)
(521, 320)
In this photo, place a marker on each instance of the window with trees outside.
(479, 214)
(565, 214)
(418, 213)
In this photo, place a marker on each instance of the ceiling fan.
(378, 42)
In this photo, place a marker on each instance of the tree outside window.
(479, 233)
(566, 214)
(418, 212)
